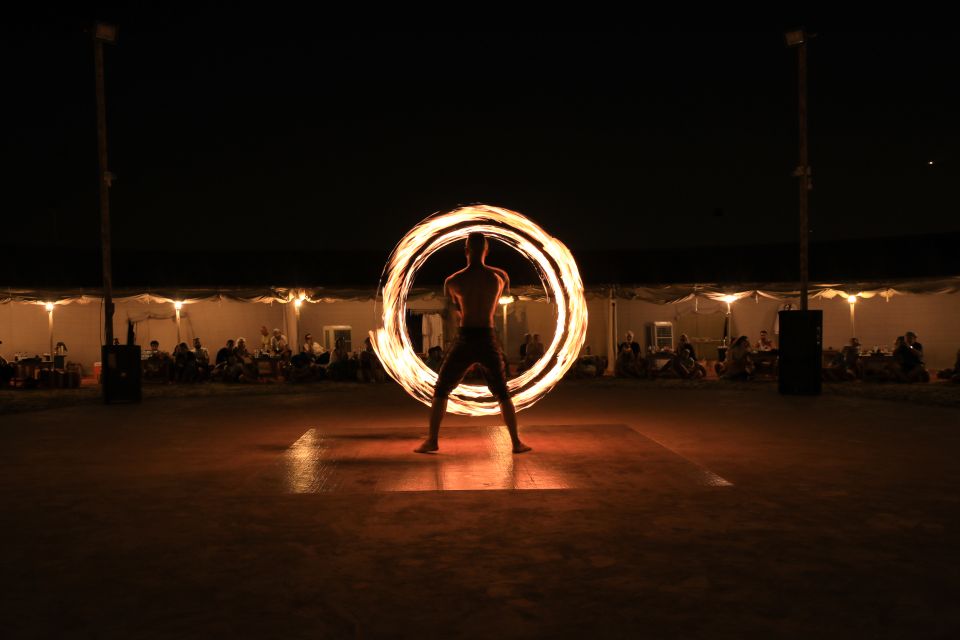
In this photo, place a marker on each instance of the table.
(765, 363)
(655, 369)
(878, 366)
(155, 368)
(25, 372)
(269, 367)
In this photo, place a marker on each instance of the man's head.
(526, 337)
(154, 344)
(536, 337)
(684, 338)
(276, 333)
(196, 343)
(263, 330)
(629, 336)
(230, 344)
(763, 334)
(910, 336)
(854, 342)
(308, 338)
(476, 246)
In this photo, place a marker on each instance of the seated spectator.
(845, 365)
(527, 339)
(304, 366)
(224, 354)
(764, 343)
(534, 352)
(6, 372)
(738, 365)
(851, 358)
(909, 362)
(222, 369)
(202, 358)
(266, 340)
(631, 343)
(953, 375)
(184, 364)
(340, 366)
(308, 352)
(435, 358)
(369, 367)
(629, 364)
(279, 345)
(245, 367)
(310, 347)
(910, 338)
(685, 362)
(159, 364)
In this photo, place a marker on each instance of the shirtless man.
(474, 293)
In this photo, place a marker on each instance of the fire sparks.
(558, 272)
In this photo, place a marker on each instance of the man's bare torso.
(475, 291)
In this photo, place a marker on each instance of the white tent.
(880, 312)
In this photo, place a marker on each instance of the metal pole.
(104, 195)
(804, 171)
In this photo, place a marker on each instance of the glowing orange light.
(178, 305)
(851, 299)
(728, 299)
(558, 272)
(48, 306)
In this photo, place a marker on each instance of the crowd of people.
(273, 359)
(904, 363)
(681, 362)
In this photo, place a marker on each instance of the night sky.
(227, 132)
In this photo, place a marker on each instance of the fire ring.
(558, 273)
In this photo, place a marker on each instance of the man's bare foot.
(519, 447)
(428, 446)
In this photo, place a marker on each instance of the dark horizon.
(220, 136)
(837, 262)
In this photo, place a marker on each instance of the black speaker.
(120, 373)
(801, 352)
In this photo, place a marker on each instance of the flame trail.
(558, 272)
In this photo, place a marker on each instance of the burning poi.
(558, 273)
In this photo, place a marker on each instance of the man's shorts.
(474, 345)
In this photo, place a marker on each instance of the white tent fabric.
(882, 311)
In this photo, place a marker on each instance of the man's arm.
(452, 300)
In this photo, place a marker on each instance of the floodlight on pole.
(798, 39)
(104, 33)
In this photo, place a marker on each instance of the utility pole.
(104, 33)
(801, 332)
(798, 39)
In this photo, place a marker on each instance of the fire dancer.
(474, 293)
